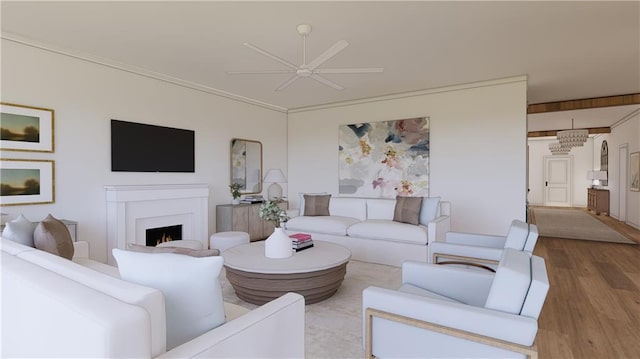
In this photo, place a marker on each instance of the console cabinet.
(598, 200)
(244, 217)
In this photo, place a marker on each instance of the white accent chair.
(447, 311)
(482, 251)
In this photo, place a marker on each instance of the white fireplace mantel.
(132, 209)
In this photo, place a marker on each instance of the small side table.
(73, 228)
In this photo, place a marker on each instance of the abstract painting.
(384, 159)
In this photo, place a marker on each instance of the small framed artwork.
(634, 172)
(26, 128)
(26, 182)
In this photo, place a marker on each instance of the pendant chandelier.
(556, 148)
(572, 138)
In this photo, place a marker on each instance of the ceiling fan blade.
(270, 55)
(261, 72)
(286, 84)
(358, 70)
(331, 52)
(327, 82)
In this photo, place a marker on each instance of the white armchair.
(445, 311)
(480, 250)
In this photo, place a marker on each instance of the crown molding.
(137, 70)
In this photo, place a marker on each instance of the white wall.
(582, 162)
(626, 132)
(86, 96)
(477, 147)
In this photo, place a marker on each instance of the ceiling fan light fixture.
(308, 70)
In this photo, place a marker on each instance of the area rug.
(575, 224)
(333, 327)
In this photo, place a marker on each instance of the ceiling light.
(557, 148)
(572, 138)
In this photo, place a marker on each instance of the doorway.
(623, 153)
(558, 181)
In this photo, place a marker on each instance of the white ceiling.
(569, 50)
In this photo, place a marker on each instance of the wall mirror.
(246, 165)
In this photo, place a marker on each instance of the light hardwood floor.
(593, 306)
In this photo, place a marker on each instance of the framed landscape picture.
(25, 128)
(26, 182)
(634, 172)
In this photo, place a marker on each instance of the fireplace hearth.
(155, 236)
(131, 210)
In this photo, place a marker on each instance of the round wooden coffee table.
(315, 273)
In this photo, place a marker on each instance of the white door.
(557, 180)
(622, 182)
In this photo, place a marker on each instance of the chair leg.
(530, 351)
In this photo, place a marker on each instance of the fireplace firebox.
(155, 236)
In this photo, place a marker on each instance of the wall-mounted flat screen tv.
(138, 147)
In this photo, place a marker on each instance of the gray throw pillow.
(20, 230)
(316, 205)
(176, 250)
(51, 235)
(407, 210)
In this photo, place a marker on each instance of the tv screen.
(138, 147)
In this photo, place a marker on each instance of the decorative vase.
(278, 245)
(235, 201)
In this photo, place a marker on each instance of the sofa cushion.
(407, 210)
(20, 230)
(51, 235)
(151, 300)
(191, 287)
(302, 203)
(316, 205)
(510, 283)
(348, 207)
(380, 208)
(389, 230)
(184, 243)
(323, 224)
(176, 250)
(429, 209)
(14, 248)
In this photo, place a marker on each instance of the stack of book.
(301, 241)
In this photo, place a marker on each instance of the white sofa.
(366, 227)
(54, 307)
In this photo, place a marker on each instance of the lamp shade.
(600, 175)
(275, 176)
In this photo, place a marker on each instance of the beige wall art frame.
(634, 172)
(26, 128)
(26, 182)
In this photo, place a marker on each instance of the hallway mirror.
(246, 165)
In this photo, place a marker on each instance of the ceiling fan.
(311, 69)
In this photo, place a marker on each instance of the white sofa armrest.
(472, 286)
(80, 249)
(255, 334)
(437, 228)
(486, 322)
(444, 249)
(471, 239)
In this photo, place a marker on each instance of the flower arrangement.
(235, 190)
(270, 211)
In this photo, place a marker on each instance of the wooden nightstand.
(598, 200)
